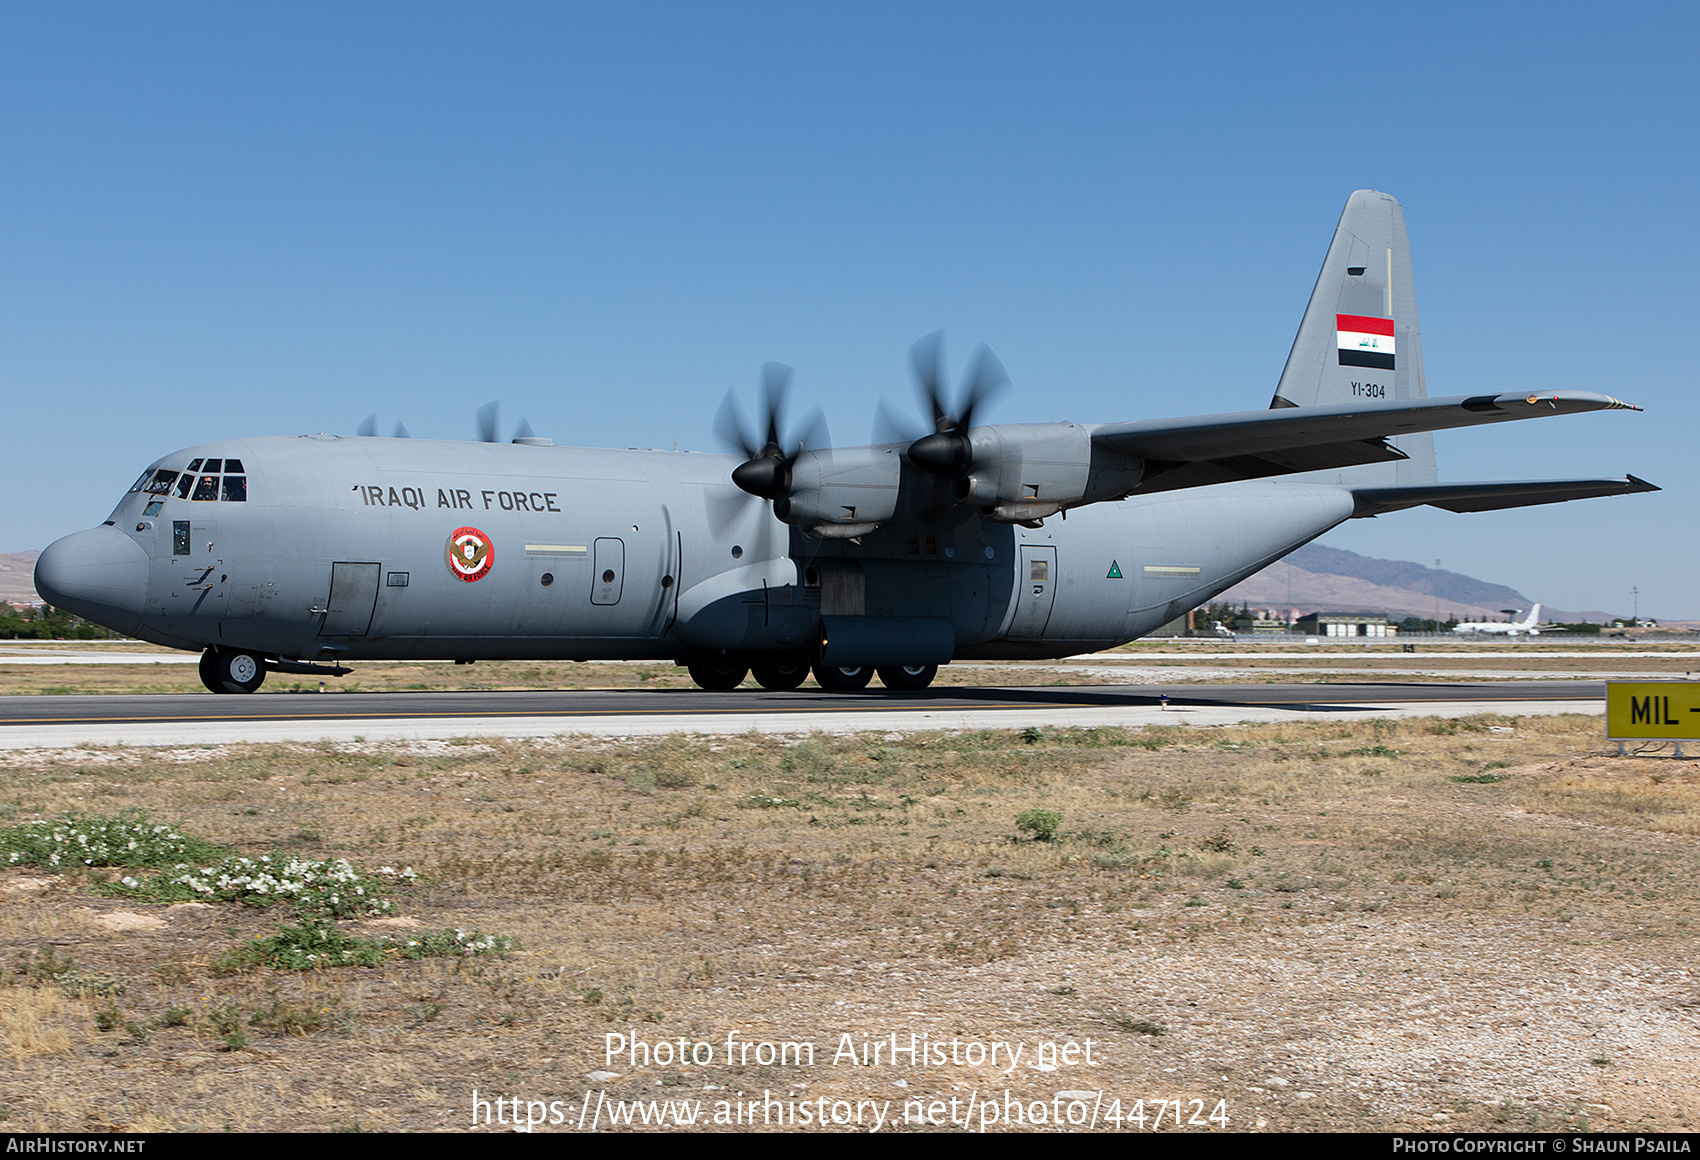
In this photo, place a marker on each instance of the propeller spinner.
(947, 451)
(766, 472)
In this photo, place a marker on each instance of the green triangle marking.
(1115, 571)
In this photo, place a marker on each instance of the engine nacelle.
(838, 494)
(1026, 471)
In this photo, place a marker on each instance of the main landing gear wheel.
(780, 678)
(718, 676)
(841, 679)
(907, 678)
(232, 672)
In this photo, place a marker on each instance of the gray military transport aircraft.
(1025, 540)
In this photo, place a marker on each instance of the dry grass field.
(1482, 924)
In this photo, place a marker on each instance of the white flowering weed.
(311, 885)
(318, 945)
(127, 839)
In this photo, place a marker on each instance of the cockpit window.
(161, 482)
(200, 478)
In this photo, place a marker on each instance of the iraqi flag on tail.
(1365, 341)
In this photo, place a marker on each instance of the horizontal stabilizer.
(1195, 452)
(1488, 497)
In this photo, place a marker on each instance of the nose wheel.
(230, 671)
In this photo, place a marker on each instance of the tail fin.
(1533, 618)
(1359, 342)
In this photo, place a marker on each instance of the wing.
(1195, 452)
(1488, 497)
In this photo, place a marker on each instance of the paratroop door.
(1036, 588)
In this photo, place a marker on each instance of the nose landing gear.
(232, 671)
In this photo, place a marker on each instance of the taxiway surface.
(58, 721)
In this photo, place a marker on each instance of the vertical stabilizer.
(1359, 342)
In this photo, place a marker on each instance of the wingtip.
(1639, 484)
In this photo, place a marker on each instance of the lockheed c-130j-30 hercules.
(300, 553)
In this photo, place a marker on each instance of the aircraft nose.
(100, 574)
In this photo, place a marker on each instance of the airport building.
(1346, 624)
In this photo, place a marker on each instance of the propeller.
(893, 426)
(766, 470)
(369, 427)
(487, 416)
(947, 451)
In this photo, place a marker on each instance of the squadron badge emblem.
(469, 554)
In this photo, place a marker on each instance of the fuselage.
(347, 548)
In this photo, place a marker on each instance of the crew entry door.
(1036, 588)
(354, 595)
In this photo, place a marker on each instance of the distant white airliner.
(1526, 625)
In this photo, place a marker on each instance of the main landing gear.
(907, 678)
(843, 679)
(724, 675)
(718, 676)
(781, 678)
(232, 671)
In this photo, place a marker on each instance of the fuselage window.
(236, 488)
(153, 508)
(161, 482)
(233, 467)
(179, 537)
(185, 484)
(207, 488)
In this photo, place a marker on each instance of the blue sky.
(231, 220)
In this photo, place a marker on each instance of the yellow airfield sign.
(1653, 710)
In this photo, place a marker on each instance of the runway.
(60, 721)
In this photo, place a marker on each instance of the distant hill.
(17, 577)
(1321, 579)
